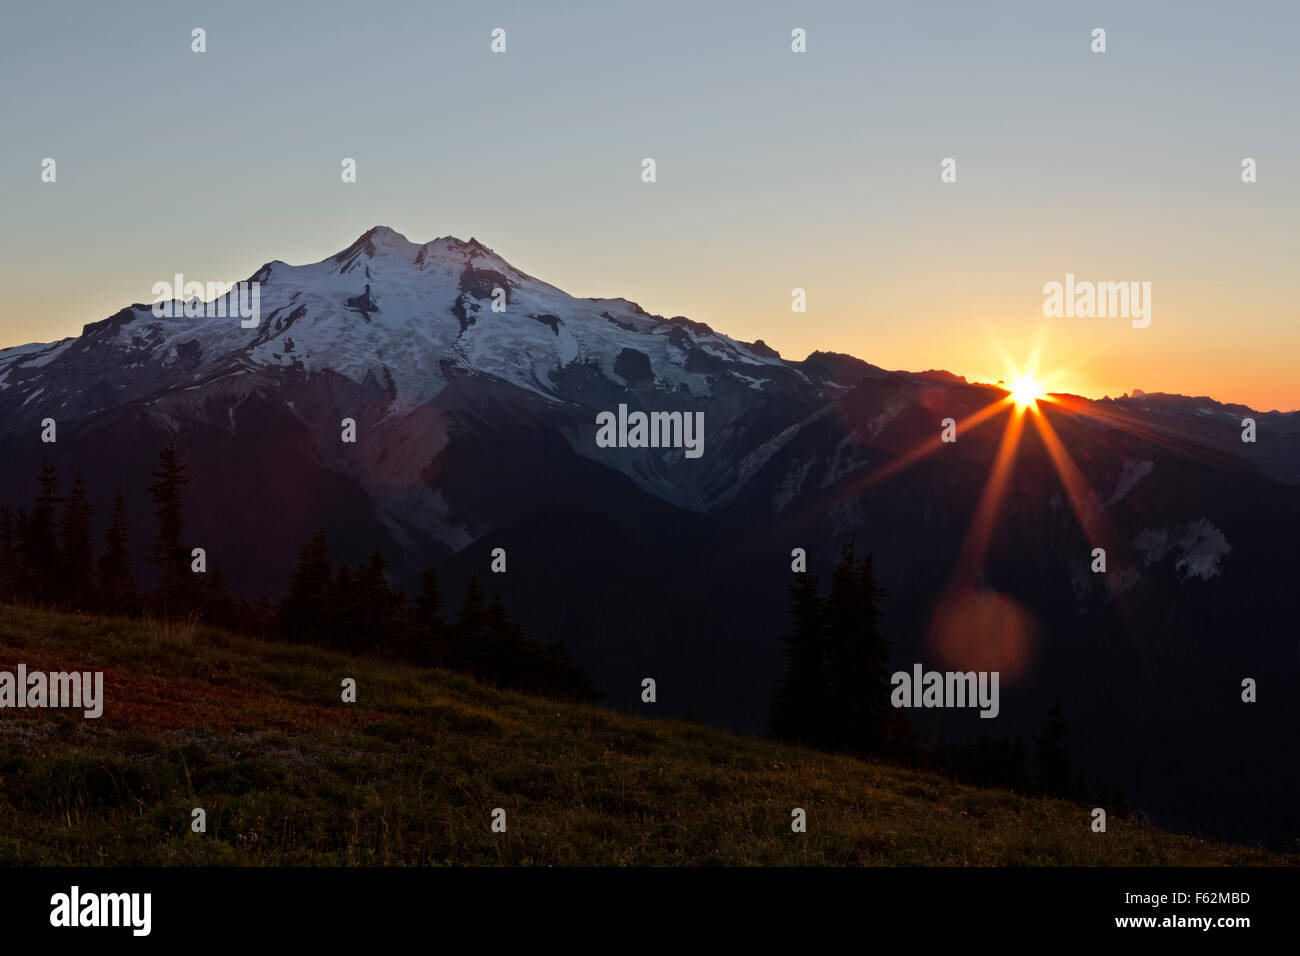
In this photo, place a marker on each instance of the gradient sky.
(775, 170)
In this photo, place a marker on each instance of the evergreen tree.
(77, 549)
(9, 580)
(39, 541)
(796, 711)
(904, 744)
(988, 763)
(565, 677)
(1018, 779)
(261, 617)
(481, 648)
(429, 627)
(116, 582)
(472, 609)
(167, 551)
(382, 612)
(215, 605)
(306, 611)
(345, 628)
(835, 693)
(856, 658)
(378, 602)
(511, 659)
(1055, 774)
(22, 572)
(485, 643)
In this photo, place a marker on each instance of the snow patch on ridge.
(1134, 471)
(1198, 548)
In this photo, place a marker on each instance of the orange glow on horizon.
(972, 625)
(1025, 392)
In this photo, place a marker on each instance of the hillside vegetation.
(258, 736)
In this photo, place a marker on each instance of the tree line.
(358, 612)
(48, 559)
(835, 696)
(47, 554)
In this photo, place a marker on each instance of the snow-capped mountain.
(446, 344)
(389, 310)
(476, 429)
(395, 335)
(407, 321)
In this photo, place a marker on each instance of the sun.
(1025, 384)
(1026, 392)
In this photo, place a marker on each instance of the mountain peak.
(377, 241)
(461, 253)
(384, 234)
(457, 244)
(380, 242)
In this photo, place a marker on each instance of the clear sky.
(775, 170)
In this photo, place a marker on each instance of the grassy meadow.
(257, 735)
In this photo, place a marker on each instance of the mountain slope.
(397, 325)
(256, 735)
(476, 429)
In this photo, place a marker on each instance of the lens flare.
(1026, 392)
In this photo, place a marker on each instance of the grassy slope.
(257, 735)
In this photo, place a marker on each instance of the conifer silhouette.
(168, 552)
(835, 692)
(76, 551)
(117, 593)
(797, 707)
(10, 583)
(306, 613)
(1055, 773)
(40, 552)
